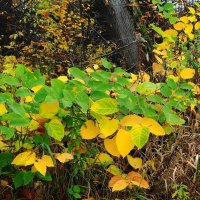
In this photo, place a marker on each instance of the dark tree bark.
(123, 26)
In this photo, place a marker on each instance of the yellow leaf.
(3, 109)
(48, 110)
(133, 78)
(192, 18)
(131, 120)
(179, 26)
(28, 99)
(153, 126)
(37, 88)
(158, 68)
(64, 157)
(136, 163)
(124, 142)
(40, 167)
(89, 130)
(63, 78)
(114, 170)
(120, 185)
(188, 28)
(197, 26)
(192, 10)
(191, 36)
(159, 59)
(33, 125)
(184, 19)
(111, 146)
(137, 179)
(175, 78)
(103, 158)
(47, 160)
(187, 73)
(170, 32)
(108, 126)
(143, 77)
(196, 88)
(24, 159)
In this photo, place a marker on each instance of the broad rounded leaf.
(108, 126)
(41, 167)
(24, 159)
(131, 120)
(153, 126)
(48, 110)
(137, 179)
(89, 130)
(105, 106)
(104, 159)
(136, 163)
(140, 135)
(124, 142)
(114, 170)
(64, 157)
(47, 160)
(111, 146)
(187, 73)
(120, 185)
(55, 129)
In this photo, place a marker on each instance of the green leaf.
(172, 84)
(18, 179)
(106, 64)
(11, 81)
(28, 176)
(140, 135)
(172, 118)
(55, 129)
(47, 177)
(5, 159)
(8, 132)
(23, 92)
(105, 106)
(96, 95)
(147, 88)
(77, 73)
(82, 100)
(17, 108)
(165, 90)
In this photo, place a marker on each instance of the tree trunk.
(125, 36)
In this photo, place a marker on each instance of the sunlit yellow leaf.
(133, 78)
(192, 10)
(63, 78)
(191, 36)
(136, 163)
(3, 109)
(184, 19)
(120, 185)
(188, 28)
(108, 126)
(179, 26)
(24, 159)
(47, 160)
(89, 130)
(114, 170)
(131, 120)
(37, 88)
(111, 146)
(187, 73)
(64, 157)
(28, 99)
(197, 26)
(124, 142)
(143, 77)
(137, 179)
(103, 158)
(196, 88)
(153, 126)
(192, 18)
(40, 166)
(48, 110)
